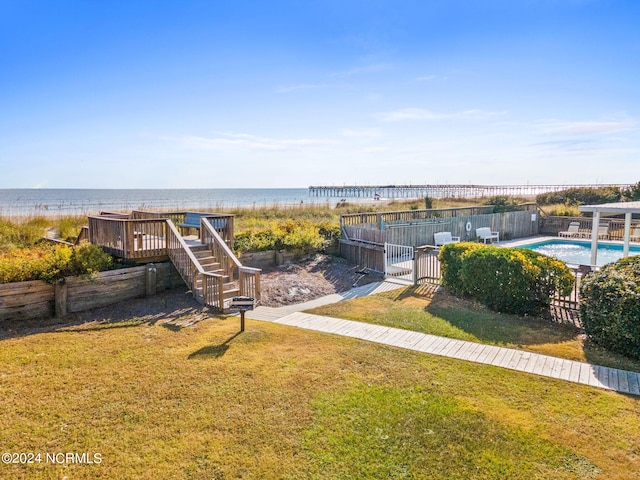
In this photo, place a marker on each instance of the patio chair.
(603, 231)
(442, 238)
(572, 232)
(635, 235)
(485, 233)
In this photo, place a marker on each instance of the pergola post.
(626, 208)
(627, 234)
(594, 236)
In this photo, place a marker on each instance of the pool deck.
(546, 238)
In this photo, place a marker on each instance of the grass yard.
(422, 309)
(160, 400)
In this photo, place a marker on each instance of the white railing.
(399, 261)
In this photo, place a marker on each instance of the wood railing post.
(151, 278)
(220, 293)
(61, 298)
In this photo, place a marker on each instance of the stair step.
(202, 254)
(226, 293)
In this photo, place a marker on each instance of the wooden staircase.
(210, 264)
(209, 267)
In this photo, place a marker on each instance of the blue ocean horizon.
(43, 201)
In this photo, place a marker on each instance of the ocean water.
(20, 202)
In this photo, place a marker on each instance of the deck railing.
(248, 278)
(223, 223)
(128, 238)
(212, 291)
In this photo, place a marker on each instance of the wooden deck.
(142, 236)
(572, 371)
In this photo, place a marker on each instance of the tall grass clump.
(299, 236)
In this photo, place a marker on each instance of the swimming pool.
(578, 252)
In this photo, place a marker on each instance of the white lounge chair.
(572, 231)
(603, 232)
(485, 234)
(442, 238)
(635, 235)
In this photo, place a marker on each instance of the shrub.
(49, 263)
(505, 279)
(631, 193)
(88, 259)
(610, 306)
(580, 196)
(428, 203)
(502, 204)
(296, 236)
(451, 259)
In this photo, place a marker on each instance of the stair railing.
(191, 271)
(248, 278)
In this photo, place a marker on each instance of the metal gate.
(399, 262)
(427, 265)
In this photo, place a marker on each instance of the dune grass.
(425, 309)
(160, 400)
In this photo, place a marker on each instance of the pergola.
(628, 208)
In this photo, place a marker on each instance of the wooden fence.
(552, 225)
(368, 255)
(362, 244)
(37, 299)
(376, 220)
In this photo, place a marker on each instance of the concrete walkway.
(578, 372)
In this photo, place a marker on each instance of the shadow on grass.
(487, 325)
(215, 351)
(500, 328)
(173, 309)
(598, 355)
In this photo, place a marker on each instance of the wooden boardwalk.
(578, 372)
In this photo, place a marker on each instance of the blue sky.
(135, 94)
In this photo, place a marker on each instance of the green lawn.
(159, 400)
(423, 310)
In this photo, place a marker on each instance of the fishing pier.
(441, 191)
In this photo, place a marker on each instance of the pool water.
(579, 252)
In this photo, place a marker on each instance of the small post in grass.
(243, 304)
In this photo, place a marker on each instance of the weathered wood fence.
(37, 299)
(364, 235)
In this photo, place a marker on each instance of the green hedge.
(610, 306)
(451, 256)
(505, 279)
(49, 263)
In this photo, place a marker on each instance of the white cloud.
(301, 86)
(585, 128)
(413, 114)
(364, 133)
(242, 141)
(377, 67)
(373, 150)
(430, 78)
